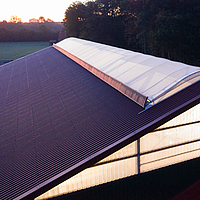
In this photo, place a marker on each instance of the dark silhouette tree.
(15, 19)
(41, 19)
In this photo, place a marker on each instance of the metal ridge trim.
(121, 87)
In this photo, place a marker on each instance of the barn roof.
(57, 119)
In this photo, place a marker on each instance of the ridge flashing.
(132, 94)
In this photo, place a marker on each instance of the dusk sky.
(34, 9)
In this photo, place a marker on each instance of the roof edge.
(134, 95)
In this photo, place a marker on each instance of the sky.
(26, 10)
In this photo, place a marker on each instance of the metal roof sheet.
(56, 119)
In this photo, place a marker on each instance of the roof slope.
(57, 118)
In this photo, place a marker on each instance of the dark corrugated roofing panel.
(57, 118)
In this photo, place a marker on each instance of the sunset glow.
(26, 10)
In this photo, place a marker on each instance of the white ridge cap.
(134, 74)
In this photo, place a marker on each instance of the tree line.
(166, 28)
(29, 32)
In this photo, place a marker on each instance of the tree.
(155, 27)
(98, 21)
(49, 20)
(33, 20)
(131, 10)
(15, 19)
(173, 39)
(74, 17)
(4, 35)
(41, 19)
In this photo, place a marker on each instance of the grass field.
(15, 50)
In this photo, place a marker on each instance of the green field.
(15, 50)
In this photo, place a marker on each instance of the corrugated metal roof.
(57, 118)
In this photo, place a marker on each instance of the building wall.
(175, 141)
